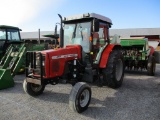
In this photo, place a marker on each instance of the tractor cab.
(8, 35)
(88, 30)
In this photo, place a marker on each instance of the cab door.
(100, 41)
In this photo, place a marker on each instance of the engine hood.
(55, 60)
(71, 51)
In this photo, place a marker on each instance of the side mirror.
(95, 25)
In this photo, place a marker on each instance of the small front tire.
(80, 97)
(33, 89)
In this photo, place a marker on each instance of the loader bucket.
(6, 79)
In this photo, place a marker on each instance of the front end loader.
(12, 54)
(13, 61)
(86, 55)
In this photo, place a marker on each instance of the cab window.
(13, 35)
(2, 34)
(102, 34)
(99, 40)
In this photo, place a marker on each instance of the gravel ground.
(137, 99)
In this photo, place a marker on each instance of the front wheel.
(80, 97)
(114, 72)
(33, 89)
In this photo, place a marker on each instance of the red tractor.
(86, 55)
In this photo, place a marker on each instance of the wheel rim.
(84, 98)
(36, 88)
(119, 69)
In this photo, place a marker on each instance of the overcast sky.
(30, 15)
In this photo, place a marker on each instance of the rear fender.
(106, 53)
(151, 50)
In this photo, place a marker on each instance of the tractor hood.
(55, 60)
(67, 52)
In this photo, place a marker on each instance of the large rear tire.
(151, 65)
(80, 97)
(114, 72)
(33, 89)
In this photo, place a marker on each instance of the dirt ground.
(137, 99)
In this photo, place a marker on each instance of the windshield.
(78, 33)
(13, 35)
(2, 34)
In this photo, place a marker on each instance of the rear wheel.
(114, 72)
(151, 65)
(80, 97)
(33, 89)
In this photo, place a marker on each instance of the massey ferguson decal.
(64, 56)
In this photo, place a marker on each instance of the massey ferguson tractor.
(85, 56)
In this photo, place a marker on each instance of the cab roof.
(8, 27)
(88, 15)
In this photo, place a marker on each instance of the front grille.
(55, 66)
(35, 64)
